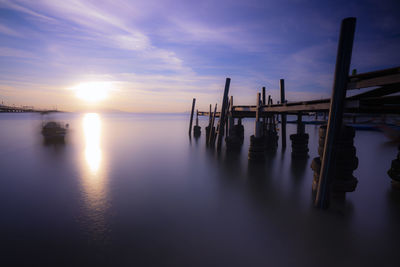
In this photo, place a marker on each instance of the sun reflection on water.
(92, 131)
(93, 176)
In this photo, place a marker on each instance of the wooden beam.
(381, 91)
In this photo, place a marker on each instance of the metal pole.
(342, 69)
(222, 115)
(191, 117)
(283, 115)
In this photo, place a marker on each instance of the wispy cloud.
(167, 52)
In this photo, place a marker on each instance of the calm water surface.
(134, 190)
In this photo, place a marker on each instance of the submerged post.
(222, 115)
(342, 68)
(283, 115)
(191, 117)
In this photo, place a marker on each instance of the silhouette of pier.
(333, 169)
(24, 109)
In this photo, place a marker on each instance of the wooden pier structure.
(333, 169)
(24, 109)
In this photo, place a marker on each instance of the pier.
(333, 169)
(24, 109)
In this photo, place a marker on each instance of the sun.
(92, 91)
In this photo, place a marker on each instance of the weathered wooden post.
(212, 131)
(263, 96)
(257, 125)
(191, 117)
(231, 120)
(299, 140)
(197, 128)
(342, 68)
(283, 115)
(256, 149)
(208, 131)
(222, 114)
(210, 115)
(227, 118)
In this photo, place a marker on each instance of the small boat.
(53, 131)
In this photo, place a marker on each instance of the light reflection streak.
(93, 177)
(92, 131)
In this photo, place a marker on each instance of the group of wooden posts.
(333, 169)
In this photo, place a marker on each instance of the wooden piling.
(211, 132)
(231, 120)
(300, 125)
(283, 115)
(210, 115)
(191, 117)
(342, 68)
(263, 96)
(222, 114)
(257, 126)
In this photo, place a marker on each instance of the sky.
(155, 56)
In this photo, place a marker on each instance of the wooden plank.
(374, 74)
(378, 81)
(381, 91)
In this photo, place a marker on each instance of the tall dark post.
(211, 135)
(257, 125)
(342, 69)
(222, 115)
(283, 115)
(300, 125)
(231, 120)
(263, 96)
(191, 117)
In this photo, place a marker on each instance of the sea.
(134, 190)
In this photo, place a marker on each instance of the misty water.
(130, 189)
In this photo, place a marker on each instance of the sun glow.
(93, 91)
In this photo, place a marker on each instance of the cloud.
(8, 31)
(16, 53)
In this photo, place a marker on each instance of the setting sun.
(92, 91)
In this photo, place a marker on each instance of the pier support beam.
(211, 136)
(222, 114)
(342, 69)
(197, 128)
(256, 149)
(283, 115)
(191, 117)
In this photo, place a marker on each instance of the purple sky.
(155, 56)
